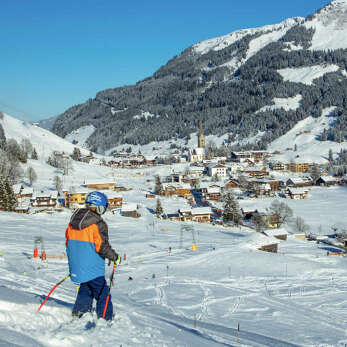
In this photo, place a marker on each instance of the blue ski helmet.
(98, 200)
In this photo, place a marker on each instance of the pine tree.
(315, 173)
(158, 186)
(2, 138)
(2, 193)
(260, 222)
(34, 155)
(216, 177)
(231, 208)
(159, 209)
(8, 199)
(331, 158)
(76, 154)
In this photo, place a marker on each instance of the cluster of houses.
(203, 192)
(183, 185)
(28, 199)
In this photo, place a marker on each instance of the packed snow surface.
(224, 41)
(80, 136)
(330, 27)
(307, 74)
(285, 103)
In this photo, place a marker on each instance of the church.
(198, 154)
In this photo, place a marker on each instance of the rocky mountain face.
(242, 84)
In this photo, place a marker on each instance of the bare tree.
(10, 168)
(27, 147)
(243, 183)
(31, 174)
(210, 149)
(66, 165)
(300, 226)
(58, 183)
(15, 152)
(280, 210)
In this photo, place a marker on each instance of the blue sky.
(55, 54)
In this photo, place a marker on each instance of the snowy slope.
(330, 26)
(305, 134)
(43, 140)
(285, 103)
(80, 136)
(269, 34)
(306, 74)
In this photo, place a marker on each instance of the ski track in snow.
(22, 319)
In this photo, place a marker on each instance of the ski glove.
(118, 260)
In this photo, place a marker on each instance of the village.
(200, 183)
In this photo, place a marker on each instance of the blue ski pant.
(95, 289)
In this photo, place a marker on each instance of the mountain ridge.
(225, 82)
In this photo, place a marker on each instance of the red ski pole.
(52, 291)
(109, 291)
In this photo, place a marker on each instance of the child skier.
(87, 247)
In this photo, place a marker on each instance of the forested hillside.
(231, 87)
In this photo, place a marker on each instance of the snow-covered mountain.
(330, 26)
(44, 141)
(230, 82)
(304, 135)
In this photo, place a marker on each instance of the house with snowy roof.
(261, 242)
(106, 183)
(196, 171)
(297, 182)
(175, 189)
(213, 193)
(277, 166)
(215, 169)
(198, 214)
(256, 171)
(328, 181)
(279, 233)
(298, 166)
(75, 197)
(196, 155)
(296, 193)
(27, 192)
(202, 214)
(115, 200)
(130, 210)
(44, 199)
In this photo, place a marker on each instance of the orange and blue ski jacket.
(87, 246)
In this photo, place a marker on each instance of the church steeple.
(201, 136)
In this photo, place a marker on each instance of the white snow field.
(296, 297)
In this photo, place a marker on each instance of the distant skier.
(87, 247)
